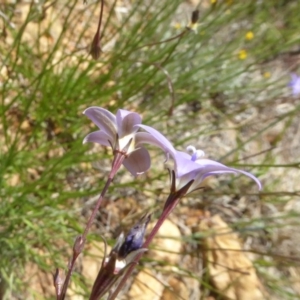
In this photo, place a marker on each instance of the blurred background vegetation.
(222, 88)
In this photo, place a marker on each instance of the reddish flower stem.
(80, 241)
(162, 218)
(100, 19)
(96, 208)
(170, 204)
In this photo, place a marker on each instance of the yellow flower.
(243, 54)
(177, 25)
(193, 27)
(213, 1)
(267, 74)
(249, 36)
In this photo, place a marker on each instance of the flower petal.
(186, 170)
(155, 138)
(295, 84)
(99, 137)
(232, 170)
(294, 78)
(209, 167)
(104, 119)
(138, 161)
(126, 121)
(184, 164)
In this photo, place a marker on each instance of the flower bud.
(135, 237)
(95, 47)
(120, 257)
(58, 281)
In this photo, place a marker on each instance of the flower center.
(127, 143)
(195, 154)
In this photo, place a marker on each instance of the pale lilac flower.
(295, 84)
(192, 167)
(120, 131)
